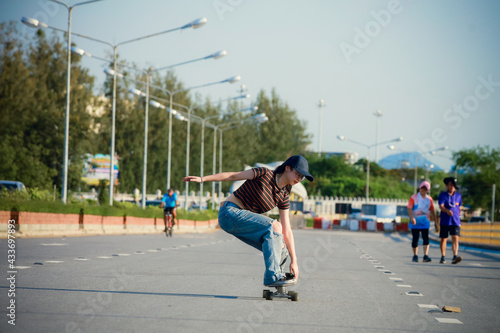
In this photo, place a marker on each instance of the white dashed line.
(428, 306)
(54, 261)
(413, 293)
(403, 285)
(22, 267)
(54, 244)
(104, 257)
(448, 321)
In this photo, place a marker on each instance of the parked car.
(476, 219)
(10, 185)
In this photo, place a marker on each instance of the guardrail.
(31, 224)
(480, 233)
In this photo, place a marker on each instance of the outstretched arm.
(220, 177)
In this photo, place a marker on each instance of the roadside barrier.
(480, 233)
(31, 224)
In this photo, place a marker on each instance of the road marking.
(413, 293)
(139, 252)
(153, 251)
(54, 244)
(448, 321)
(81, 259)
(403, 285)
(22, 267)
(104, 257)
(428, 306)
(54, 261)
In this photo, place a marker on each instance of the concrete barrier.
(31, 224)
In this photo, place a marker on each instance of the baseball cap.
(300, 164)
(425, 184)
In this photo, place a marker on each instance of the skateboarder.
(240, 214)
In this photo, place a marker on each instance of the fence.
(480, 233)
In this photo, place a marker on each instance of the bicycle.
(168, 223)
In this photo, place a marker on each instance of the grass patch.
(26, 202)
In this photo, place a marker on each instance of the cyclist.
(168, 203)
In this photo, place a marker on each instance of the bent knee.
(277, 227)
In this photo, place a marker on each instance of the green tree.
(479, 169)
(32, 99)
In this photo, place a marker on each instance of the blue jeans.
(257, 231)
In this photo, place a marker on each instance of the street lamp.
(432, 152)
(31, 22)
(257, 119)
(188, 134)
(171, 95)
(149, 72)
(378, 114)
(343, 138)
(321, 105)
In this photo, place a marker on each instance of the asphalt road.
(349, 282)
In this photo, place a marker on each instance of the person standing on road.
(241, 213)
(421, 212)
(168, 203)
(450, 202)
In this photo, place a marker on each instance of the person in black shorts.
(450, 202)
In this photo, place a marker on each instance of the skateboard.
(281, 291)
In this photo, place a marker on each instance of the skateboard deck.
(281, 291)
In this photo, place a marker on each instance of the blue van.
(10, 185)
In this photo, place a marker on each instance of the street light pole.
(368, 147)
(260, 118)
(378, 114)
(35, 23)
(321, 105)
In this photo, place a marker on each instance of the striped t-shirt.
(261, 194)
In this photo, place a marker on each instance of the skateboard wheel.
(294, 295)
(269, 295)
(264, 293)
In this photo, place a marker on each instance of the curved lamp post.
(257, 119)
(432, 152)
(343, 138)
(149, 72)
(171, 95)
(35, 23)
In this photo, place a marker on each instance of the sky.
(431, 67)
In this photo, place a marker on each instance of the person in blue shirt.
(450, 202)
(168, 203)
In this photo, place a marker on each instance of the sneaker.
(415, 258)
(456, 260)
(427, 259)
(287, 280)
(442, 261)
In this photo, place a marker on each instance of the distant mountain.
(407, 161)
